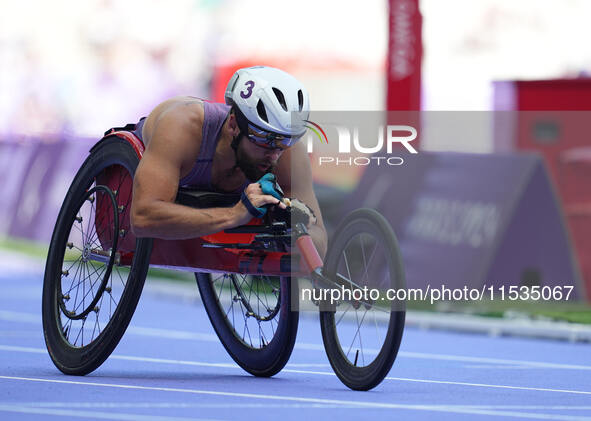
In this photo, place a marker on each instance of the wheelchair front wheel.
(362, 333)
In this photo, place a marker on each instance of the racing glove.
(269, 186)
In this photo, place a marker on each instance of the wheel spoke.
(123, 283)
(367, 263)
(252, 308)
(89, 290)
(87, 277)
(358, 334)
(343, 315)
(358, 255)
(74, 277)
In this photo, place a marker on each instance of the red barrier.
(554, 120)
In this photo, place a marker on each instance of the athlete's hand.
(258, 200)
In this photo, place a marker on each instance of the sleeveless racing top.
(199, 178)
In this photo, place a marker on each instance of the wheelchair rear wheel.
(252, 318)
(90, 290)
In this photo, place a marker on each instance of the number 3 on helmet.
(271, 106)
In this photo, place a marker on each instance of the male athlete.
(224, 148)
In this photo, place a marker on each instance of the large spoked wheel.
(362, 332)
(95, 268)
(251, 315)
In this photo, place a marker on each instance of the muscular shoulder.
(184, 112)
(175, 125)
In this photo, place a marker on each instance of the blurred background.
(81, 67)
(71, 70)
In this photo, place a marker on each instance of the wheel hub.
(85, 253)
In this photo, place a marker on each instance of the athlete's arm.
(294, 175)
(153, 211)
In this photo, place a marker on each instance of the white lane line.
(23, 349)
(19, 333)
(269, 397)
(497, 367)
(499, 361)
(94, 414)
(30, 318)
(17, 316)
(172, 334)
(319, 373)
(495, 386)
(209, 337)
(54, 404)
(173, 405)
(304, 365)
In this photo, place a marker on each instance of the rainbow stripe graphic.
(315, 128)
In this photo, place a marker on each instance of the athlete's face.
(254, 160)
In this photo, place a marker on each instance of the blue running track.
(170, 366)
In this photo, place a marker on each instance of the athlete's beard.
(250, 166)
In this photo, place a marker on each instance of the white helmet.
(271, 106)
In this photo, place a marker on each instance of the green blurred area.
(39, 250)
(573, 312)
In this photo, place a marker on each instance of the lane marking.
(19, 333)
(499, 361)
(93, 414)
(321, 373)
(497, 367)
(93, 404)
(30, 318)
(496, 386)
(172, 334)
(171, 405)
(23, 349)
(430, 408)
(210, 337)
(17, 316)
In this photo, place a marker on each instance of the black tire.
(104, 181)
(344, 256)
(226, 298)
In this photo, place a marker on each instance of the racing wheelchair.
(247, 277)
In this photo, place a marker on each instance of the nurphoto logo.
(349, 140)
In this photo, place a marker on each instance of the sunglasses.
(270, 140)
